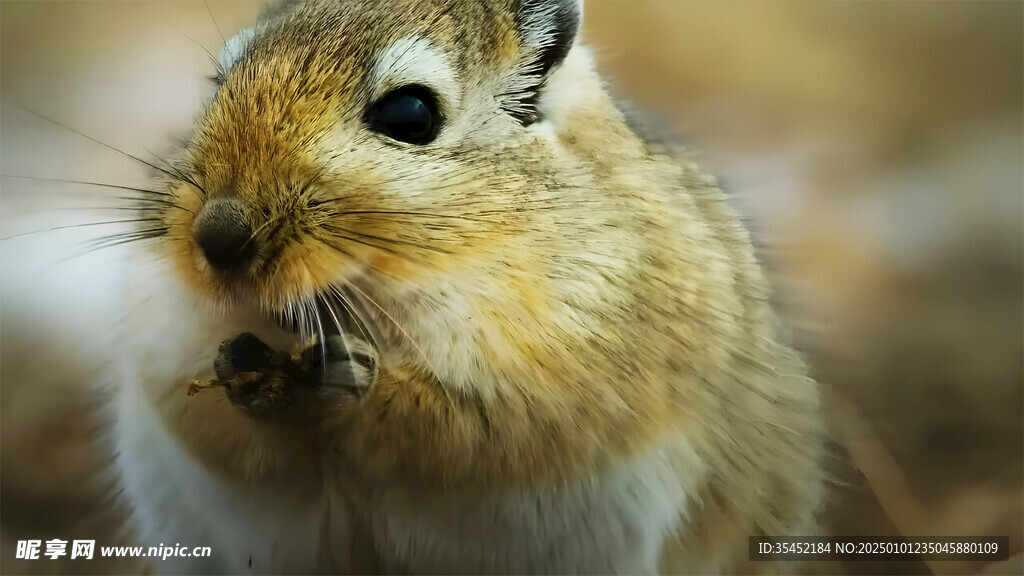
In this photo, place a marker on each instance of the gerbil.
(549, 346)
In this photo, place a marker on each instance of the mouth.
(321, 313)
(310, 316)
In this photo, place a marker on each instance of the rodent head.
(390, 139)
(460, 162)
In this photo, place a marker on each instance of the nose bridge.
(256, 153)
(257, 147)
(251, 177)
(252, 169)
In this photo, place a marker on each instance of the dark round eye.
(408, 114)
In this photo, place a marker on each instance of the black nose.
(224, 234)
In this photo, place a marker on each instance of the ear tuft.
(233, 50)
(547, 29)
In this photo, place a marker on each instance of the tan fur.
(555, 308)
(237, 447)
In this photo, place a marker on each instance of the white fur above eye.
(415, 60)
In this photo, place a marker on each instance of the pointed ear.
(547, 30)
(235, 47)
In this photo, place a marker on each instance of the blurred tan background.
(875, 148)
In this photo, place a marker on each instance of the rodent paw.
(261, 393)
(246, 353)
(258, 379)
(264, 381)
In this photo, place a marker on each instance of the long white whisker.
(307, 322)
(344, 339)
(397, 325)
(375, 335)
(330, 310)
(290, 314)
(352, 315)
(321, 336)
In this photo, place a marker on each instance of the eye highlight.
(407, 114)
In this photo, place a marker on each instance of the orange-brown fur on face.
(268, 139)
(552, 305)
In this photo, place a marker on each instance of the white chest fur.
(175, 501)
(170, 339)
(615, 523)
